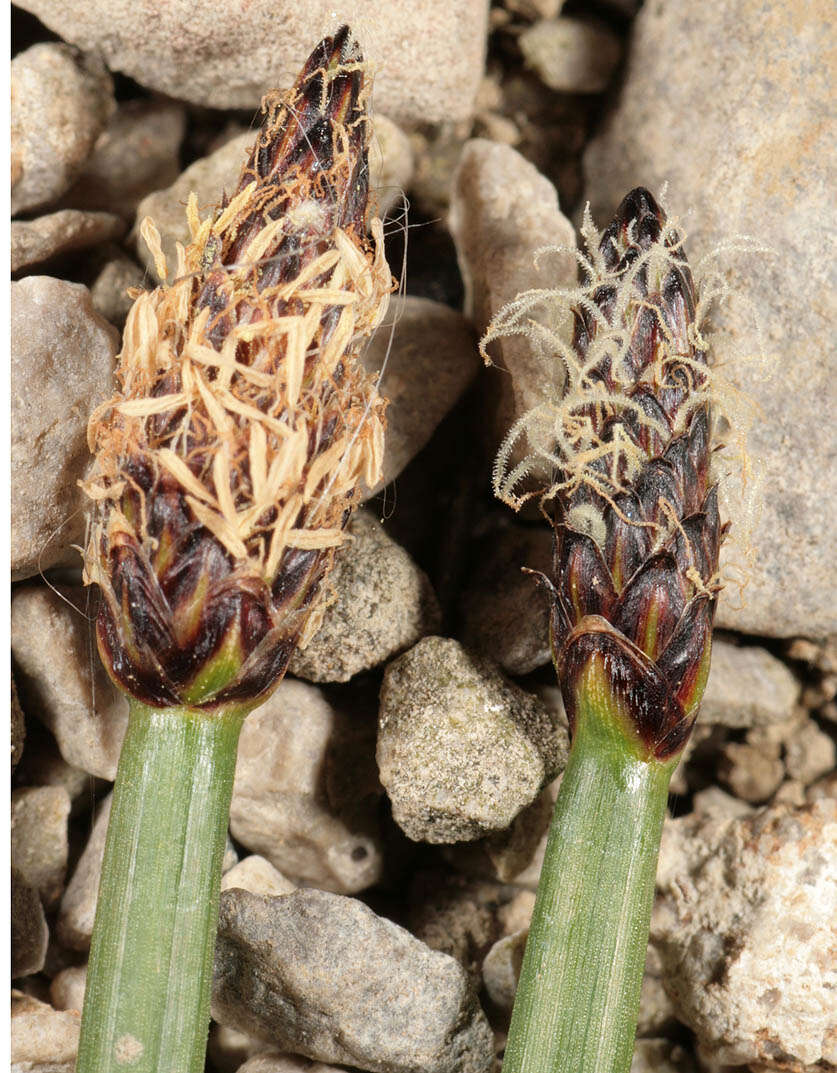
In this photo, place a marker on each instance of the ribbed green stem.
(578, 997)
(146, 1006)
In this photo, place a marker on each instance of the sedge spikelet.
(634, 502)
(228, 462)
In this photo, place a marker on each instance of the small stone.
(284, 806)
(660, 1056)
(809, 753)
(286, 1063)
(66, 991)
(713, 803)
(135, 154)
(824, 787)
(109, 291)
(501, 969)
(529, 875)
(257, 875)
(391, 165)
(790, 793)
(62, 680)
(383, 603)
(747, 687)
(505, 615)
(425, 351)
(427, 58)
(322, 975)
(39, 844)
(516, 914)
(455, 916)
(461, 751)
(502, 211)
(749, 772)
(62, 368)
(208, 178)
(59, 233)
(43, 1040)
(227, 1048)
(61, 100)
(30, 934)
(656, 1012)
(17, 727)
(744, 924)
(571, 55)
(78, 906)
(757, 163)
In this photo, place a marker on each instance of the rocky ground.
(362, 816)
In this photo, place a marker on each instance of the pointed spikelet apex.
(633, 500)
(228, 463)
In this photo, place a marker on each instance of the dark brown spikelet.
(228, 463)
(635, 507)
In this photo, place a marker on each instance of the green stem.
(146, 1006)
(578, 998)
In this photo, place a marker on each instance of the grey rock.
(809, 753)
(501, 969)
(136, 153)
(427, 356)
(382, 604)
(66, 991)
(62, 232)
(285, 1063)
(30, 934)
(43, 1040)
(571, 55)
(749, 771)
(391, 165)
(39, 844)
(78, 906)
(62, 368)
(256, 874)
(656, 1012)
(505, 615)
(208, 178)
(61, 100)
(62, 680)
(461, 751)
(757, 163)
(427, 59)
(744, 924)
(109, 290)
(503, 211)
(747, 687)
(322, 975)
(285, 804)
(17, 727)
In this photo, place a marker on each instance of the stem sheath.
(578, 997)
(147, 1001)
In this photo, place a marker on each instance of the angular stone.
(135, 154)
(809, 753)
(109, 290)
(747, 687)
(43, 1040)
(503, 211)
(505, 614)
(461, 751)
(66, 991)
(30, 933)
(571, 55)
(256, 874)
(285, 1063)
(62, 368)
(285, 803)
(39, 838)
(383, 603)
(62, 680)
(744, 924)
(427, 58)
(78, 906)
(61, 100)
(757, 163)
(427, 356)
(322, 975)
(750, 773)
(59, 233)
